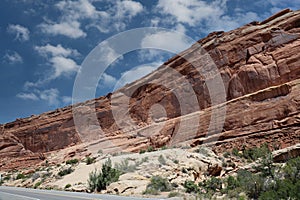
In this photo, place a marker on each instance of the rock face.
(260, 68)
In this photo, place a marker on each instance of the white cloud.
(190, 12)
(75, 12)
(56, 50)
(67, 100)
(21, 32)
(28, 96)
(128, 8)
(70, 29)
(206, 16)
(136, 73)
(107, 80)
(63, 66)
(166, 40)
(58, 58)
(51, 96)
(12, 58)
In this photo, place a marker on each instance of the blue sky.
(43, 43)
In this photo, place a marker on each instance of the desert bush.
(174, 194)
(65, 171)
(158, 184)
(72, 161)
(100, 180)
(162, 160)
(37, 184)
(191, 187)
(68, 186)
(125, 167)
(7, 178)
(89, 160)
(142, 151)
(256, 152)
(150, 149)
(20, 176)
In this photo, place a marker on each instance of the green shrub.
(65, 171)
(175, 161)
(142, 151)
(202, 150)
(150, 149)
(100, 180)
(20, 176)
(68, 186)
(226, 154)
(158, 184)
(163, 148)
(256, 152)
(72, 161)
(191, 187)
(37, 184)
(89, 160)
(7, 178)
(174, 194)
(162, 160)
(213, 184)
(100, 151)
(235, 152)
(125, 167)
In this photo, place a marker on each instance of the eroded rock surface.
(260, 68)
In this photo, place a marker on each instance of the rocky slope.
(260, 68)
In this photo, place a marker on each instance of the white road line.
(21, 196)
(71, 195)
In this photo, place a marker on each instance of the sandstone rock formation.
(260, 68)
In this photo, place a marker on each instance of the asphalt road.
(12, 193)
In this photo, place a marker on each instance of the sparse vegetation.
(158, 184)
(37, 184)
(72, 161)
(99, 180)
(100, 151)
(20, 176)
(175, 161)
(65, 171)
(202, 150)
(174, 194)
(191, 187)
(142, 151)
(150, 149)
(89, 160)
(125, 167)
(68, 186)
(162, 160)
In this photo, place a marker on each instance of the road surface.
(12, 193)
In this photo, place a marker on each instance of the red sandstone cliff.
(260, 67)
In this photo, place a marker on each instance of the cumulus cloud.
(136, 73)
(107, 80)
(190, 12)
(206, 16)
(70, 29)
(57, 50)
(12, 58)
(59, 59)
(63, 66)
(67, 100)
(166, 40)
(28, 96)
(21, 32)
(75, 12)
(51, 96)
